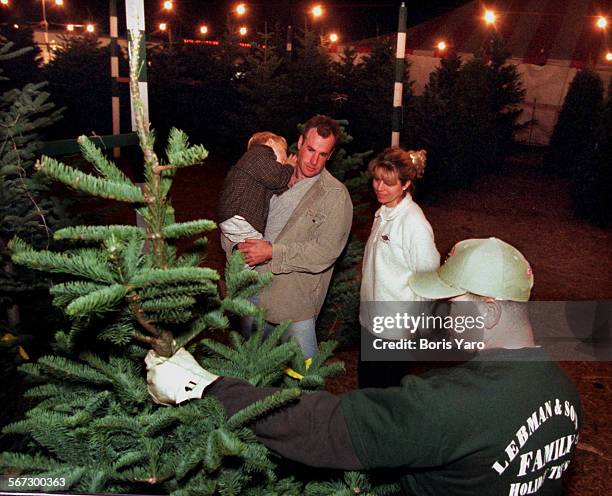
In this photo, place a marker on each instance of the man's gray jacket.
(305, 251)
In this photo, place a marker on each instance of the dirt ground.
(571, 261)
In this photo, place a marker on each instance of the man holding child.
(307, 228)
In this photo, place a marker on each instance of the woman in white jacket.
(401, 242)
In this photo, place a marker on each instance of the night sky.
(352, 19)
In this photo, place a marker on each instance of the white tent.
(549, 41)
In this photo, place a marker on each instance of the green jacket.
(305, 251)
(505, 423)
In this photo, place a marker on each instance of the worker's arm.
(312, 431)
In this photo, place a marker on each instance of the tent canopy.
(548, 41)
(535, 31)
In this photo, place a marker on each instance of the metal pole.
(114, 61)
(400, 64)
(46, 57)
(135, 19)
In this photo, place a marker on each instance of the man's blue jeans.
(304, 331)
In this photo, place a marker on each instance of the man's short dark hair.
(324, 125)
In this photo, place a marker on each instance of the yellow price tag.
(22, 353)
(296, 375)
(7, 337)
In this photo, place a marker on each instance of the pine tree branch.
(151, 329)
(190, 228)
(97, 233)
(94, 155)
(160, 340)
(263, 407)
(87, 183)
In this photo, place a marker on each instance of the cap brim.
(429, 285)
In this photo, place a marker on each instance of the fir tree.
(466, 117)
(188, 82)
(94, 428)
(310, 77)
(23, 69)
(432, 122)
(592, 171)
(372, 97)
(79, 65)
(262, 86)
(26, 210)
(346, 73)
(352, 483)
(575, 128)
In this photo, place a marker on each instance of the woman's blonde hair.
(394, 164)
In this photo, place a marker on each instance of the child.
(248, 187)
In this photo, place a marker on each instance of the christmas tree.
(345, 75)
(466, 117)
(78, 65)
(370, 96)
(578, 119)
(310, 76)
(126, 289)
(26, 210)
(264, 96)
(591, 176)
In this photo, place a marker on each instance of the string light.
(70, 27)
(609, 56)
(243, 31)
(490, 17)
(4, 2)
(203, 29)
(90, 28)
(163, 26)
(241, 9)
(168, 5)
(59, 3)
(333, 37)
(317, 11)
(602, 22)
(441, 45)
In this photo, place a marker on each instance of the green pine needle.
(66, 292)
(180, 154)
(69, 370)
(174, 316)
(263, 407)
(190, 228)
(156, 277)
(84, 263)
(94, 155)
(98, 233)
(167, 303)
(87, 183)
(97, 302)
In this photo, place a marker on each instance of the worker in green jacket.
(504, 423)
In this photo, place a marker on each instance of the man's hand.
(176, 379)
(256, 251)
